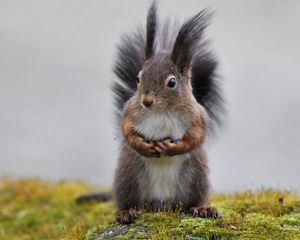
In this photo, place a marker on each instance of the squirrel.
(167, 98)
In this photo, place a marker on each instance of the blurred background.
(56, 113)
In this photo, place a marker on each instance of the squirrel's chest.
(160, 126)
(161, 179)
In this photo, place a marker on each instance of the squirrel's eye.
(171, 82)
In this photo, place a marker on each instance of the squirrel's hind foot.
(128, 216)
(205, 212)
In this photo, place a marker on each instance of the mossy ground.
(36, 209)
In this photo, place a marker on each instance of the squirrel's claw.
(169, 142)
(205, 212)
(158, 149)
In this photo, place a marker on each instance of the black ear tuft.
(151, 30)
(187, 39)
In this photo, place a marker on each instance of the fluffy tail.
(186, 46)
(98, 197)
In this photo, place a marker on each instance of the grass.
(37, 209)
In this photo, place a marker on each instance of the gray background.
(56, 107)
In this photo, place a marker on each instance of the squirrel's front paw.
(170, 148)
(146, 149)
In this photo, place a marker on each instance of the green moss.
(36, 209)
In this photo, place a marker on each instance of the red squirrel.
(167, 99)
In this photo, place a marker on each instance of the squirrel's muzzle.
(147, 100)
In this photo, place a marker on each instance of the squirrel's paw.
(170, 148)
(205, 212)
(128, 216)
(146, 148)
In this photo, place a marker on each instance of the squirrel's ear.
(187, 39)
(151, 30)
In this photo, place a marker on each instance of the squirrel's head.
(160, 83)
(171, 67)
(164, 79)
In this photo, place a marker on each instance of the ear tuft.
(187, 39)
(151, 30)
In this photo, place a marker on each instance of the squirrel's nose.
(147, 99)
(147, 103)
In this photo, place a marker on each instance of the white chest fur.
(158, 126)
(162, 179)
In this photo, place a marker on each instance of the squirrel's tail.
(97, 196)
